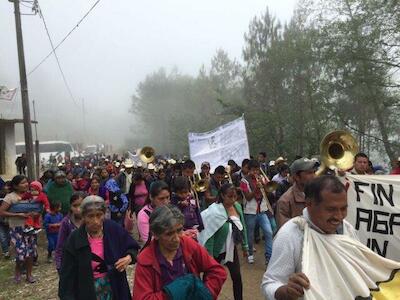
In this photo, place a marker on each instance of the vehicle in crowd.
(50, 150)
(93, 149)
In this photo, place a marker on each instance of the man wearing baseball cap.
(292, 203)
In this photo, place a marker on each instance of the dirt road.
(46, 286)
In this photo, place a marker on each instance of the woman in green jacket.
(224, 229)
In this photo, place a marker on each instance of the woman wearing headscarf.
(95, 257)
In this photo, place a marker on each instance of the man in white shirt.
(325, 211)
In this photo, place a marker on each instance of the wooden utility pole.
(37, 148)
(24, 93)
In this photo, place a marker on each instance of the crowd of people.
(189, 223)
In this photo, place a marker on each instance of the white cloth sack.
(340, 267)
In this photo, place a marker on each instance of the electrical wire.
(55, 55)
(63, 40)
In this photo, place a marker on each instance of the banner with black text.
(374, 211)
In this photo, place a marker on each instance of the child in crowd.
(36, 194)
(52, 222)
(184, 200)
(70, 222)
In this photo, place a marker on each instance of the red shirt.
(41, 198)
(148, 283)
(395, 171)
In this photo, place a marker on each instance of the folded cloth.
(188, 286)
(340, 267)
(26, 207)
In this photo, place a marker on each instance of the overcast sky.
(114, 48)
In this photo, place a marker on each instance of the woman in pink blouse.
(159, 196)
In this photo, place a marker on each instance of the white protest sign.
(374, 211)
(226, 142)
(6, 94)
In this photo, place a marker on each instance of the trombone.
(228, 176)
(271, 186)
(264, 194)
(197, 185)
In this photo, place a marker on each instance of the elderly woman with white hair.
(95, 257)
(170, 266)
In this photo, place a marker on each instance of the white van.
(50, 148)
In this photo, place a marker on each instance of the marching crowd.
(189, 223)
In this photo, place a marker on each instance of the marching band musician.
(216, 181)
(361, 164)
(256, 209)
(188, 168)
(205, 170)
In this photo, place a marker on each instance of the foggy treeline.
(333, 66)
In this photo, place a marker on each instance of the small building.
(7, 147)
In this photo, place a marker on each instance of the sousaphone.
(338, 149)
(147, 154)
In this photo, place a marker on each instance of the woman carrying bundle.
(24, 242)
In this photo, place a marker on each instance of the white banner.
(226, 142)
(6, 94)
(374, 211)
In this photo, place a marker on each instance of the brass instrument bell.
(147, 154)
(338, 149)
(272, 186)
(200, 185)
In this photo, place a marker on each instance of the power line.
(62, 41)
(55, 55)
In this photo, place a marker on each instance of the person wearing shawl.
(224, 229)
(318, 256)
(60, 190)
